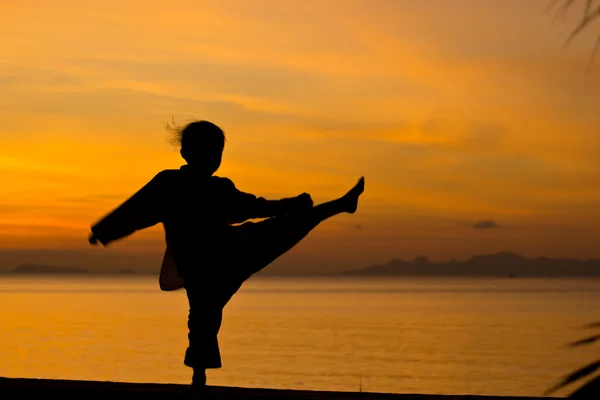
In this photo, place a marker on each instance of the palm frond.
(591, 14)
(589, 391)
(587, 340)
(575, 376)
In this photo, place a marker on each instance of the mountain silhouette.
(499, 264)
(48, 269)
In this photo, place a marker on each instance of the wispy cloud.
(485, 225)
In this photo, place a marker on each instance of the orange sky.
(456, 112)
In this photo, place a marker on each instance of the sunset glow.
(454, 113)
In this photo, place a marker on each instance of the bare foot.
(350, 199)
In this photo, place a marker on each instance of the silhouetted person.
(213, 256)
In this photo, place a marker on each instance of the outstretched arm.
(142, 210)
(246, 206)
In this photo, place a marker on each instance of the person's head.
(202, 145)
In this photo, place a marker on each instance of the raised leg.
(259, 244)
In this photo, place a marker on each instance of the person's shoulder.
(223, 182)
(166, 176)
(167, 173)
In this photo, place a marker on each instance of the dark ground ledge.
(19, 388)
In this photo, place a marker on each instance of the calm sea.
(459, 336)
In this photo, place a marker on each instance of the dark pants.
(207, 296)
(204, 322)
(243, 251)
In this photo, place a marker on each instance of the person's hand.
(93, 240)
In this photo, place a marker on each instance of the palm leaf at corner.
(575, 376)
(593, 325)
(587, 340)
(589, 391)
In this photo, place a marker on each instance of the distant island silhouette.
(503, 264)
(126, 271)
(48, 269)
